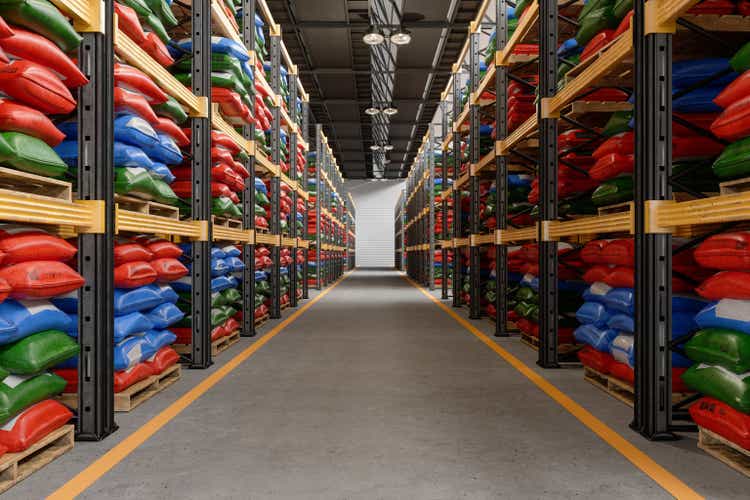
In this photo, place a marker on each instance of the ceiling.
(324, 38)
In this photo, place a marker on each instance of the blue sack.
(569, 47)
(221, 283)
(593, 313)
(231, 251)
(134, 130)
(67, 302)
(164, 150)
(160, 338)
(684, 303)
(72, 330)
(131, 324)
(219, 267)
(184, 284)
(131, 351)
(217, 253)
(21, 318)
(162, 172)
(168, 294)
(260, 276)
(622, 322)
(598, 338)
(519, 180)
(622, 349)
(688, 73)
(698, 101)
(136, 299)
(164, 315)
(596, 292)
(68, 152)
(621, 299)
(261, 186)
(219, 45)
(235, 264)
(732, 314)
(126, 155)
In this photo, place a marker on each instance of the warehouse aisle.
(371, 393)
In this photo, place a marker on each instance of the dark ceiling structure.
(324, 37)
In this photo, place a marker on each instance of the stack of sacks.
(525, 301)
(146, 23)
(37, 79)
(438, 228)
(301, 157)
(263, 264)
(33, 333)
(515, 265)
(519, 209)
(518, 49)
(521, 100)
(464, 263)
(733, 123)
(262, 205)
(287, 267)
(487, 204)
(286, 208)
(260, 39)
(438, 263)
(300, 261)
(607, 315)
(312, 267)
(300, 213)
(489, 287)
(720, 348)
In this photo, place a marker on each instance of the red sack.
(231, 325)
(5, 30)
(734, 123)
(622, 371)
(624, 25)
(161, 248)
(169, 269)
(71, 377)
(717, 7)
(133, 375)
(592, 251)
(726, 285)
(231, 104)
(33, 424)
(163, 359)
(4, 290)
(184, 334)
(40, 279)
(131, 102)
(135, 80)
(727, 251)
(169, 127)
(22, 244)
(222, 140)
(622, 143)
(695, 146)
(596, 273)
(596, 43)
(134, 274)
(720, 418)
(218, 332)
(624, 277)
(131, 252)
(156, 49)
(127, 21)
(738, 89)
(17, 117)
(576, 137)
(36, 86)
(597, 360)
(33, 47)
(611, 166)
(620, 252)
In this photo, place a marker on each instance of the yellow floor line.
(663, 477)
(103, 464)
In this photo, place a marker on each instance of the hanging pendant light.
(373, 36)
(401, 37)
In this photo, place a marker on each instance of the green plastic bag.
(171, 109)
(44, 18)
(218, 316)
(593, 5)
(229, 311)
(18, 392)
(595, 21)
(261, 198)
(30, 154)
(617, 190)
(720, 346)
(621, 9)
(258, 300)
(223, 206)
(217, 300)
(260, 211)
(617, 123)
(740, 62)
(153, 21)
(520, 7)
(231, 296)
(734, 161)
(163, 193)
(720, 383)
(162, 9)
(526, 309)
(527, 295)
(37, 352)
(134, 182)
(263, 288)
(223, 79)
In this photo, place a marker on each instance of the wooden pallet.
(619, 389)
(18, 181)
(226, 222)
(617, 208)
(15, 467)
(144, 390)
(261, 320)
(562, 349)
(225, 342)
(724, 450)
(735, 186)
(147, 207)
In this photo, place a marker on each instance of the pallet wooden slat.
(724, 450)
(144, 390)
(225, 342)
(15, 467)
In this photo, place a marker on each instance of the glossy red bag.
(4, 290)
(37, 86)
(624, 25)
(133, 375)
(131, 252)
(218, 332)
(184, 334)
(720, 418)
(622, 143)
(619, 252)
(160, 247)
(168, 269)
(23, 244)
(71, 377)
(220, 139)
(33, 47)
(40, 279)
(163, 359)
(135, 80)
(695, 146)
(716, 7)
(597, 360)
(611, 166)
(134, 274)
(738, 89)
(169, 127)
(575, 138)
(596, 273)
(726, 285)
(156, 49)
(734, 123)
(5, 30)
(33, 424)
(131, 102)
(231, 104)
(17, 117)
(597, 43)
(726, 251)
(127, 21)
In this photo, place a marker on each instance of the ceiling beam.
(405, 100)
(351, 71)
(416, 25)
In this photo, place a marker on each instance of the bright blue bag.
(221, 283)
(160, 338)
(168, 294)
(261, 186)
(67, 302)
(260, 276)
(732, 314)
(621, 299)
(596, 292)
(131, 351)
(217, 253)
(134, 130)
(231, 251)
(136, 299)
(164, 315)
(164, 150)
(161, 171)
(131, 324)
(219, 45)
(72, 330)
(622, 322)
(593, 313)
(598, 338)
(26, 317)
(219, 267)
(235, 264)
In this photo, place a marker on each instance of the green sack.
(139, 6)
(528, 295)
(163, 193)
(720, 346)
(163, 10)
(221, 206)
(229, 311)
(221, 79)
(720, 383)
(740, 62)
(218, 316)
(263, 288)
(18, 392)
(217, 299)
(30, 154)
(260, 211)
(520, 7)
(153, 22)
(618, 123)
(734, 161)
(171, 109)
(617, 190)
(231, 296)
(621, 9)
(593, 5)
(258, 300)
(134, 182)
(261, 198)
(37, 352)
(526, 309)
(43, 18)
(597, 20)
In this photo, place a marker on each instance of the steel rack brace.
(548, 316)
(652, 410)
(248, 193)
(319, 193)
(457, 222)
(475, 286)
(430, 222)
(305, 215)
(293, 177)
(444, 203)
(201, 180)
(275, 311)
(501, 174)
(95, 117)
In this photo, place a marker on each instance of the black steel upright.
(292, 148)
(319, 192)
(444, 205)
(304, 236)
(547, 186)
(475, 290)
(457, 223)
(501, 174)
(275, 311)
(201, 180)
(652, 413)
(95, 251)
(248, 193)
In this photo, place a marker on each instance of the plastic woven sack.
(593, 313)
(134, 274)
(37, 352)
(722, 419)
(30, 154)
(596, 292)
(18, 392)
(25, 317)
(33, 424)
(131, 351)
(720, 383)
(727, 313)
(17, 117)
(163, 359)
(21, 244)
(133, 375)
(168, 269)
(726, 251)
(598, 338)
(160, 338)
(599, 361)
(719, 346)
(164, 315)
(44, 18)
(137, 299)
(36, 86)
(723, 285)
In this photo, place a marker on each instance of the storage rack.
(641, 59)
(350, 232)
(398, 224)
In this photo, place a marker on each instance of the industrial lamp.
(373, 36)
(401, 37)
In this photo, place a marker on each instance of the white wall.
(375, 201)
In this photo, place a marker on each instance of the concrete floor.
(375, 393)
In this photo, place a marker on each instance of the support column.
(275, 311)
(475, 285)
(305, 220)
(457, 222)
(501, 175)
(248, 193)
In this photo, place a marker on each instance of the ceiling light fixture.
(374, 147)
(401, 36)
(388, 147)
(373, 36)
(390, 111)
(372, 111)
